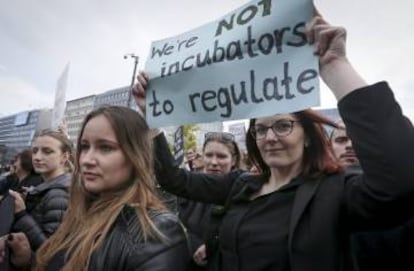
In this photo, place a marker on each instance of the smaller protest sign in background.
(179, 144)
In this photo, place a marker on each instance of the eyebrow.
(44, 148)
(102, 141)
(274, 121)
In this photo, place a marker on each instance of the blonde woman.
(40, 214)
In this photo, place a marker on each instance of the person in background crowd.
(40, 213)
(374, 250)
(8, 179)
(26, 179)
(63, 128)
(254, 170)
(190, 155)
(221, 155)
(245, 162)
(342, 146)
(300, 212)
(193, 160)
(198, 163)
(115, 221)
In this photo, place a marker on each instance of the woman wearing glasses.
(221, 155)
(298, 214)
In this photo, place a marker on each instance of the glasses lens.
(259, 131)
(279, 128)
(282, 127)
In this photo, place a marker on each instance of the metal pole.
(136, 59)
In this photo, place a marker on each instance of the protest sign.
(60, 99)
(239, 132)
(254, 61)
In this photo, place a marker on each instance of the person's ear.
(65, 157)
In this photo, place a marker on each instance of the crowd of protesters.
(310, 201)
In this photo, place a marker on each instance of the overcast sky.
(38, 38)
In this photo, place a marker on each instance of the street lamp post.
(136, 58)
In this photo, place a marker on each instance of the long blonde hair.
(89, 218)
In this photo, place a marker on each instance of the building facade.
(17, 131)
(118, 96)
(75, 112)
(77, 109)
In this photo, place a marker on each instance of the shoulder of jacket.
(127, 245)
(163, 220)
(247, 176)
(160, 218)
(57, 191)
(54, 198)
(171, 227)
(61, 185)
(247, 180)
(129, 229)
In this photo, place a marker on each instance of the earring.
(306, 144)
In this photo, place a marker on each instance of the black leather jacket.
(124, 248)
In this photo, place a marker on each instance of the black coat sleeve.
(195, 186)
(49, 215)
(4, 186)
(8, 182)
(384, 142)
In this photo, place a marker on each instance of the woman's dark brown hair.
(25, 157)
(318, 157)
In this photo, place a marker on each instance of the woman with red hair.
(299, 213)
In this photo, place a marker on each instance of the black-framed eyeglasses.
(280, 128)
(219, 135)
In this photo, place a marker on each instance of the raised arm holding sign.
(299, 213)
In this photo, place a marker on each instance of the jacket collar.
(249, 184)
(62, 181)
(304, 194)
